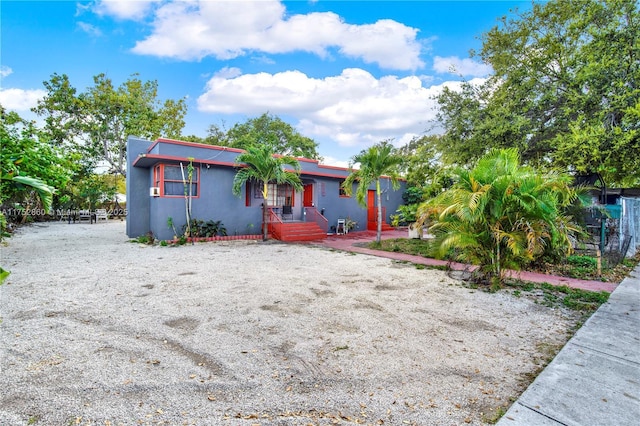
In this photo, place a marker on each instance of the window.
(280, 195)
(169, 179)
(341, 190)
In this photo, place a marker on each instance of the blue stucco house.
(155, 192)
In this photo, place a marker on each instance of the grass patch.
(492, 418)
(576, 266)
(556, 296)
(411, 246)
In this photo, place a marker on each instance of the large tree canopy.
(98, 121)
(265, 130)
(30, 166)
(565, 91)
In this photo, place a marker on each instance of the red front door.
(307, 197)
(371, 210)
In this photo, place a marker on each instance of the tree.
(565, 91)
(267, 130)
(501, 214)
(97, 122)
(259, 164)
(375, 162)
(30, 163)
(27, 167)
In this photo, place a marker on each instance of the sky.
(347, 74)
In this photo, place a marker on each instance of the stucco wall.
(216, 200)
(138, 183)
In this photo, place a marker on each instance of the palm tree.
(501, 214)
(375, 162)
(259, 163)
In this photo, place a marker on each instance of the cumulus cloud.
(464, 67)
(353, 108)
(124, 9)
(5, 71)
(226, 30)
(19, 99)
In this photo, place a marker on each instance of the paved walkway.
(348, 243)
(594, 380)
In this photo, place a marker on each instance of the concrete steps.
(298, 231)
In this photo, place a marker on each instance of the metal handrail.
(313, 215)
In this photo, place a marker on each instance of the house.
(155, 193)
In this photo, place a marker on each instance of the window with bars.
(279, 195)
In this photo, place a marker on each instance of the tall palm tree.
(259, 163)
(375, 162)
(501, 214)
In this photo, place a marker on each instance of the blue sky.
(345, 73)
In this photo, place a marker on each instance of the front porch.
(311, 226)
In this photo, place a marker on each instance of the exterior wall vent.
(154, 191)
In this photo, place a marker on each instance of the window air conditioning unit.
(154, 191)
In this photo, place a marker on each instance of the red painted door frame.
(307, 196)
(371, 210)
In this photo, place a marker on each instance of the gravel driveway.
(98, 330)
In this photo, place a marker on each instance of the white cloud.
(124, 9)
(353, 108)
(5, 71)
(465, 67)
(19, 99)
(90, 29)
(226, 30)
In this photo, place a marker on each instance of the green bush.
(210, 228)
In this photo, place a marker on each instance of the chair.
(65, 215)
(287, 211)
(101, 214)
(341, 228)
(84, 215)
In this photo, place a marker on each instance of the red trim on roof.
(196, 145)
(239, 151)
(183, 159)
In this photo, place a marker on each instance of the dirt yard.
(98, 330)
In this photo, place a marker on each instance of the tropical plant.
(172, 226)
(378, 160)
(45, 193)
(407, 214)
(200, 228)
(187, 182)
(501, 214)
(27, 166)
(259, 164)
(30, 166)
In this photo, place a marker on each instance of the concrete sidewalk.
(595, 379)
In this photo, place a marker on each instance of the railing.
(313, 215)
(274, 223)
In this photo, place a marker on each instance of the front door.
(371, 210)
(307, 195)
